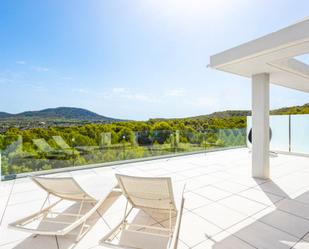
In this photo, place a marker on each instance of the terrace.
(236, 198)
(224, 207)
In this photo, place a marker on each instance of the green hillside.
(304, 109)
(59, 113)
(104, 142)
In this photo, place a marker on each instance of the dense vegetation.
(304, 109)
(57, 146)
(96, 143)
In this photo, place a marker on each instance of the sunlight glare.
(187, 10)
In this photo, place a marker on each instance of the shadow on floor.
(69, 240)
(279, 227)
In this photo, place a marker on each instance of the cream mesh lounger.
(151, 195)
(47, 221)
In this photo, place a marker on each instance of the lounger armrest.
(174, 242)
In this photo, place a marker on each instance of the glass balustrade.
(29, 153)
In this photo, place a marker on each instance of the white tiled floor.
(225, 207)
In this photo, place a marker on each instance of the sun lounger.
(49, 221)
(152, 195)
(61, 143)
(47, 150)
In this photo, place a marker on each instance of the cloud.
(176, 93)
(21, 62)
(40, 69)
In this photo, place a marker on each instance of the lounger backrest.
(61, 143)
(64, 187)
(148, 192)
(42, 145)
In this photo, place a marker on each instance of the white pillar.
(260, 125)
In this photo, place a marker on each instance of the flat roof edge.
(293, 34)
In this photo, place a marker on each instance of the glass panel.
(300, 133)
(279, 125)
(280, 132)
(249, 126)
(42, 149)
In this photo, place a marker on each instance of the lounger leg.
(170, 218)
(81, 233)
(125, 215)
(123, 222)
(47, 199)
(80, 208)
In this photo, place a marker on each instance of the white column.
(260, 125)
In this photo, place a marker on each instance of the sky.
(134, 59)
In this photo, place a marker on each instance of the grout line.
(7, 202)
(255, 220)
(301, 239)
(199, 243)
(210, 185)
(57, 243)
(26, 201)
(10, 242)
(301, 217)
(259, 202)
(277, 228)
(184, 243)
(226, 229)
(211, 238)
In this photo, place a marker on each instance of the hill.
(304, 109)
(72, 114)
(225, 114)
(59, 113)
(4, 115)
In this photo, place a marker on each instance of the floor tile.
(294, 207)
(230, 186)
(301, 245)
(220, 193)
(263, 236)
(193, 201)
(224, 242)
(261, 196)
(212, 193)
(286, 222)
(194, 230)
(39, 242)
(242, 205)
(303, 197)
(220, 215)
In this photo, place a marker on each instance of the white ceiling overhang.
(274, 54)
